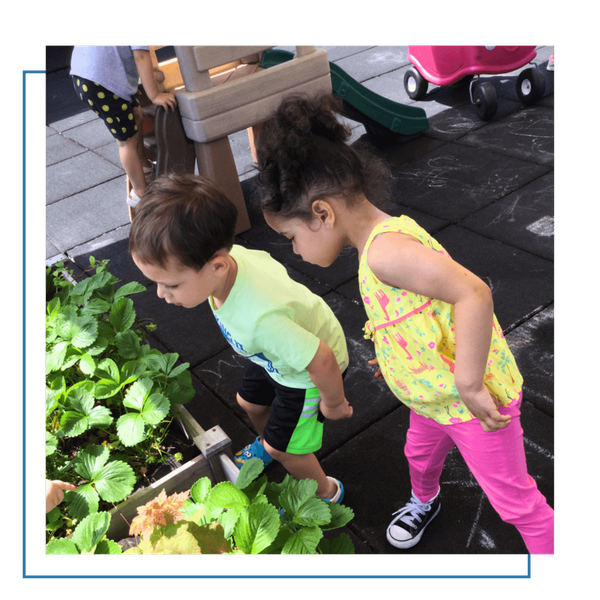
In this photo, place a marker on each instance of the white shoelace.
(415, 509)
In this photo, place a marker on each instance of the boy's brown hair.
(182, 216)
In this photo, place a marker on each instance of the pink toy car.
(445, 65)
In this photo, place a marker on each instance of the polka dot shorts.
(116, 112)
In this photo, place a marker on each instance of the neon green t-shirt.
(276, 322)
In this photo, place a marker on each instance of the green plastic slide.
(379, 115)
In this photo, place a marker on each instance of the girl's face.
(315, 242)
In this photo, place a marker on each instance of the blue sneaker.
(339, 495)
(253, 450)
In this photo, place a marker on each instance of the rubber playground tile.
(527, 134)
(532, 345)
(91, 135)
(454, 181)
(524, 218)
(374, 62)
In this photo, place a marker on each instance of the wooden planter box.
(214, 462)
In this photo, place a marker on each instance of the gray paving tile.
(92, 134)
(373, 62)
(72, 121)
(110, 152)
(59, 148)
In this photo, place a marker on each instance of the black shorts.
(295, 424)
(116, 112)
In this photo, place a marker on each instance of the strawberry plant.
(252, 516)
(108, 394)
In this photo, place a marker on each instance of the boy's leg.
(305, 466)
(258, 414)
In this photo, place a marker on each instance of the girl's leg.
(427, 445)
(497, 461)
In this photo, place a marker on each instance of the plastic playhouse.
(445, 65)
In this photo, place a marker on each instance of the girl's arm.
(401, 261)
(325, 373)
(146, 73)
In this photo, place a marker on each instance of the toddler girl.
(438, 344)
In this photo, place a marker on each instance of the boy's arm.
(146, 73)
(325, 373)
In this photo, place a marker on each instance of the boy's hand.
(341, 411)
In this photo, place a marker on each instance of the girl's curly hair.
(303, 155)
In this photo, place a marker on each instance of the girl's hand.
(378, 373)
(343, 410)
(484, 407)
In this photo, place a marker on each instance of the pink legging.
(497, 461)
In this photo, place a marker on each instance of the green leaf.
(91, 530)
(105, 388)
(340, 515)
(108, 547)
(89, 461)
(87, 364)
(135, 396)
(167, 362)
(115, 481)
(95, 306)
(61, 546)
(128, 344)
(98, 347)
(85, 332)
(302, 506)
(74, 423)
(180, 390)
(339, 545)
(256, 528)
(122, 314)
(200, 490)
(129, 288)
(227, 495)
(56, 357)
(179, 369)
(107, 369)
(82, 502)
(51, 443)
(250, 470)
(156, 408)
(303, 541)
(131, 429)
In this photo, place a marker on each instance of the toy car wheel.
(531, 86)
(415, 84)
(485, 99)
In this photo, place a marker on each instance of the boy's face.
(178, 284)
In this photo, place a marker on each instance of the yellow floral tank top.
(415, 342)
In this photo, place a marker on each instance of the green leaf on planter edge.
(256, 528)
(82, 502)
(133, 287)
(135, 396)
(156, 408)
(61, 546)
(128, 344)
(250, 470)
(181, 389)
(227, 495)
(131, 429)
(108, 547)
(115, 481)
(167, 362)
(303, 541)
(340, 515)
(201, 490)
(95, 306)
(342, 544)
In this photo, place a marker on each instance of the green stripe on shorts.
(308, 435)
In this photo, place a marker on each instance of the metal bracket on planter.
(214, 445)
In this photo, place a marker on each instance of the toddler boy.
(182, 237)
